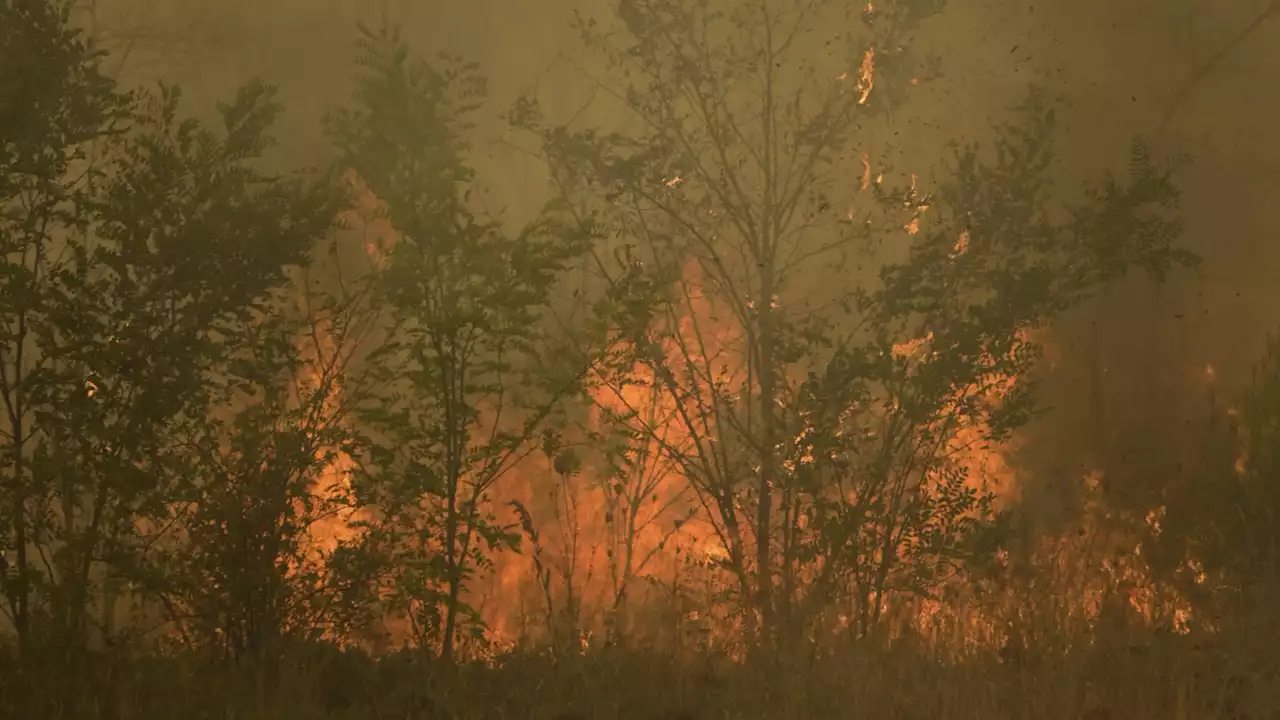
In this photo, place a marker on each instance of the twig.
(1210, 64)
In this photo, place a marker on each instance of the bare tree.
(826, 416)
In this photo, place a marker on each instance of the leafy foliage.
(138, 248)
(726, 227)
(821, 357)
(54, 108)
(463, 401)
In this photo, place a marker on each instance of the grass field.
(1116, 672)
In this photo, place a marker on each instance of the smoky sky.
(1191, 76)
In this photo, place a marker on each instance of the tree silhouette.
(827, 414)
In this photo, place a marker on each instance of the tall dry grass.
(1045, 665)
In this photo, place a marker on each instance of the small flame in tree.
(866, 76)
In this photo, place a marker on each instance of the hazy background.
(1190, 76)
(1122, 64)
(1140, 384)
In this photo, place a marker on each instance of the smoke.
(1126, 374)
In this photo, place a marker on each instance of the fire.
(369, 215)
(606, 533)
(664, 531)
(912, 348)
(334, 479)
(866, 75)
(605, 528)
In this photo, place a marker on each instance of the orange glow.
(368, 216)
(600, 530)
(866, 75)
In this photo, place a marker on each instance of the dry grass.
(1021, 652)
(1137, 673)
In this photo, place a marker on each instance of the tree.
(464, 404)
(54, 106)
(263, 551)
(137, 243)
(192, 246)
(828, 407)
(642, 515)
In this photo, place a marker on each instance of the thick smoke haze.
(923, 534)
(1190, 76)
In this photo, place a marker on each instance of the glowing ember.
(866, 79)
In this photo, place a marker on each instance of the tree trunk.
(451, 617)
(18, 591)
(766, 237)
(765, 482)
